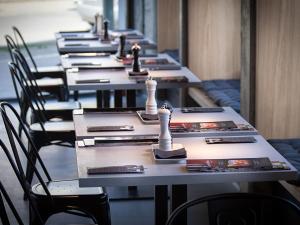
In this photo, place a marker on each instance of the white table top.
(166, 174)
(105, 61)
(119, 79)
(86, 119)
(98, 46)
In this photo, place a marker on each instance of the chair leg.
(43, 213)
(101, 213)
(29, 170)
(75, 95)
(62, 94)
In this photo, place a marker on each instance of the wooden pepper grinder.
(121, 54)
(136, 67)
(164, 139)
(151, 105)
(105, 35)
(135, 52)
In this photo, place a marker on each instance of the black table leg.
(161, 204)
(118, 98)
(179, 196)
(131, 101)
(99, 99)
(106, 98)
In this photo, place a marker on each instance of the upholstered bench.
(290, 149)
(219, 92)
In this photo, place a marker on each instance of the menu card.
(233, 165)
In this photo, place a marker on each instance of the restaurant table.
(119, 80)
(69, 61)
(90, 34)
(84, 118)
(94, 44)
(164, 174)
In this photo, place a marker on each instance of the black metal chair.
(4, 196)
(42, 131)
(54, 71)
(51, 109)
(243, 209)
(51, 197)
(53, 86)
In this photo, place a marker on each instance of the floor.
(37, 21)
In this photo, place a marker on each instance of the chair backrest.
(243, 208)
(11, 44)
(18, 146)
(19, 39)
(21, 62)
(26, 95)
(4, 196)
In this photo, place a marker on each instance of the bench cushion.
(174, 53)
(290, 149)
(223, 92)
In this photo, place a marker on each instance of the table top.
(119, 79)
(89, 34)
(98, 46)
(175, 173)
(105, 61)
(84, 119)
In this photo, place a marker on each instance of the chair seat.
(49, 82)
(49, 69)
(65, 188)
(70, 105)
(54, 126)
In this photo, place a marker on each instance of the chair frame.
(42, 203)
(229, 196)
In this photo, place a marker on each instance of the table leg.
(179, 196)
(131, 101)
(99, 99)
(106, 98)
(161, 204)
(118, 98)
(182, 97)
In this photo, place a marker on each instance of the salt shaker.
(151, 105)
(164, 139)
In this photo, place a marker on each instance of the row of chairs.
(50, 124)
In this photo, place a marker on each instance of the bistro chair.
(57, 106)
(42, 132)
(54, 86)
(51, 110)
(47, 71)
(51, 197)
(242, 209)
(60, 201)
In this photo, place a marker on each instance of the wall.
(214, 38)
(278, 68)
(167, 24)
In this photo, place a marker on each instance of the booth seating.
(290, 149)
(174, 53)
(217, 93)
